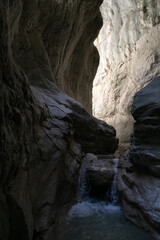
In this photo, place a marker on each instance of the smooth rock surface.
(129, 49)
(145, 140)
(139, 175)
(60, 36)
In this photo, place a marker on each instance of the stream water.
(91, 219)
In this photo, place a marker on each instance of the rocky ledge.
(99, 170)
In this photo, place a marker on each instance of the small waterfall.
(82, 193)
(112, 194)
(102, 165)
(83, 185)
(96, 219)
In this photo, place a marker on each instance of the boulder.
(99, 173)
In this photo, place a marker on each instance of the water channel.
(92, 219)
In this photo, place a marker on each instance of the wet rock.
(99, 173)
(139, 196)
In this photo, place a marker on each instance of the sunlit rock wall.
(129, 50)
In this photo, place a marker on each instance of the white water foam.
(89, 208)
(82, 193)
(113, 193)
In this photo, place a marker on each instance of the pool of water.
(97, 220)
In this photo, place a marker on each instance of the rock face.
(42, 136)
(145, 141)
(100, 173)
(66, 31)
(139, 175)
(129, 49)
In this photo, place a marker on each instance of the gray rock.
(139, 175)
(145, 141)
(139, 196)
(99, 173)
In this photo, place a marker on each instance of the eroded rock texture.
(45, 133)
(139, 175)
(66, 30)
(129, 50)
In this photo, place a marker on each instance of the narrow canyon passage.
(51, 145)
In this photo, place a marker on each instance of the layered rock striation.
(139, 175)
(129, 49)
(45, 133)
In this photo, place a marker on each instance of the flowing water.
(91, 219)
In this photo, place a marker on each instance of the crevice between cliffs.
(48, 138)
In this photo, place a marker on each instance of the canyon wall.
(44, 132)
(125, 84)
(129, 49)
(73, 57)
(67, 30)
(139, 175)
